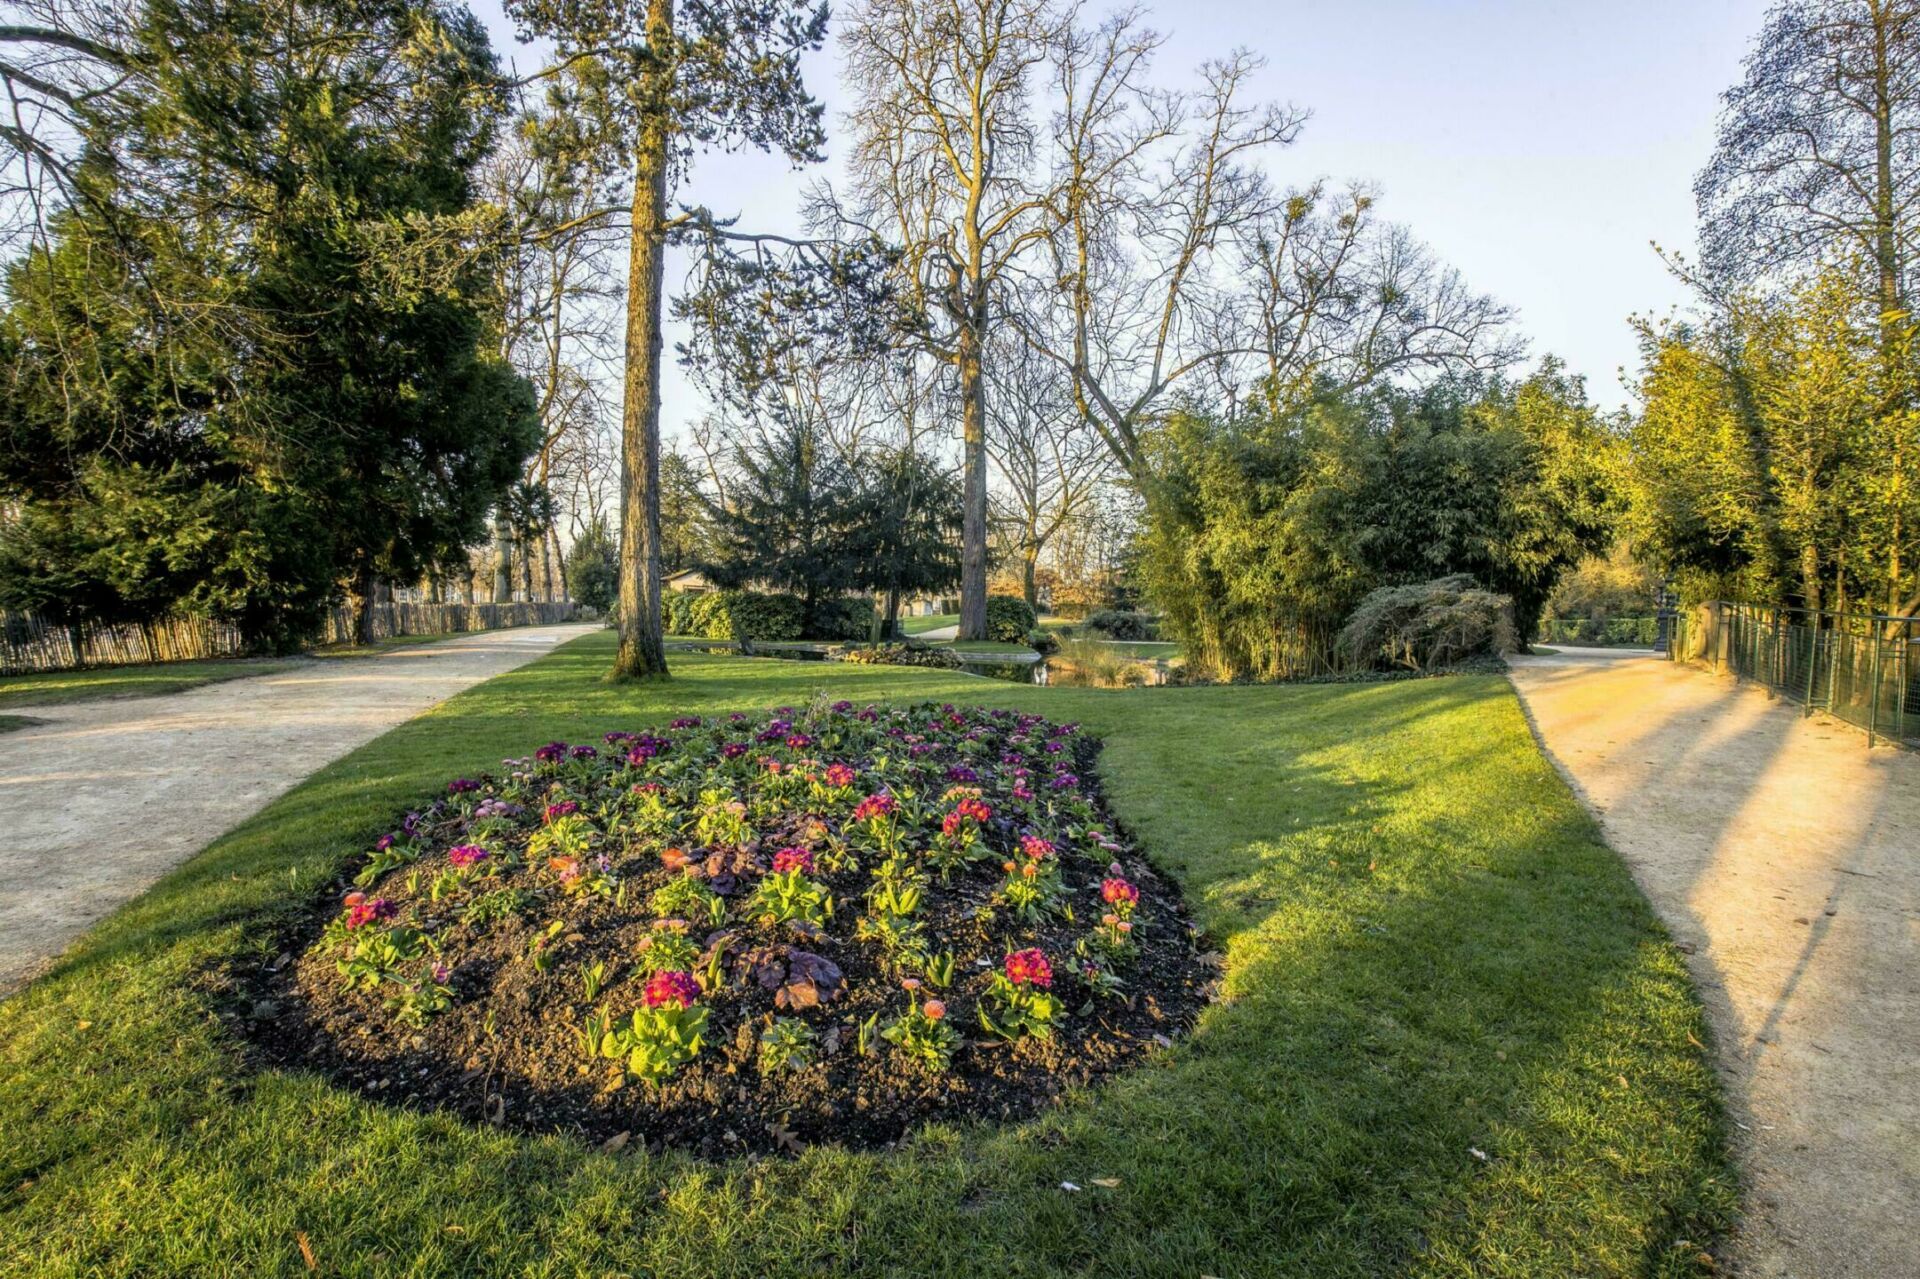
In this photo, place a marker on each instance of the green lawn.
(50, 688)
(1452, 1041)
(921, 625)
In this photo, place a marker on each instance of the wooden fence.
(30, 643)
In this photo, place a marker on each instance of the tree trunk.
(364, 586)
(973, 528)
(642, 654)
(526, 570)
(890, 628)
(1029, 570)
(502, 560)
(556, 567)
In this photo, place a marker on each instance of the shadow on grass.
(1452, 1039)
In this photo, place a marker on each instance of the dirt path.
(106, 796)
(1785, 858)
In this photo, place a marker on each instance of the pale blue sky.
(1538, 145)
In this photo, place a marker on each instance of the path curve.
(1784, 857)
(150, 781)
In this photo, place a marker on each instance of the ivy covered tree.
(656, 86)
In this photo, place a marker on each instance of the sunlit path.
(1785, 857)
(106, 796)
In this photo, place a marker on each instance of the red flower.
(367, 910)
(875, 806)
(839, 775)
(934, 1009)
(1115, 890)
(678, 990)
(791, 859)
(1029, 968)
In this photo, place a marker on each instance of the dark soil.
(508, 1051)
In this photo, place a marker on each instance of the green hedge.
(1124, 624)
(848, 617)
(1604, 632)
(1009, 618)
(749, 615)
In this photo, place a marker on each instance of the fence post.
(1873, 688)
(1813, 660)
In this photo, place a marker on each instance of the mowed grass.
(931, 622)
(54, 688)
(1452, 1039)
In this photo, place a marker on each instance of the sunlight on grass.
(1429, 954)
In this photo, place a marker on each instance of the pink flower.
(565, 808)
(466, 854)
(1029, 968)
(934, 1009)
(1115, 891)
(792, 859)
(670, 989)
(1035, 848)
(839, 775)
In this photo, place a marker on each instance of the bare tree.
(1050, 463)
(943, 164)
(1174, 259)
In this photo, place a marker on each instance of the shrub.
(1428, 625)
(1009, 618)
(900, 655)
(678, 608)
(844, 617)
(1042, 641)
(749, 615)
(1123, 624)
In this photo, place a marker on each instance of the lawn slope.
(1453, 1040)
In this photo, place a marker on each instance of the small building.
(691, 581)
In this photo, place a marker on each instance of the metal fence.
(30, 643)
(1860, 667)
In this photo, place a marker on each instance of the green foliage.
(1427, 625)
(258, 357)
(1263, 534)
(787, 1043)
(593, 569)
(1776, 458)
(1009, 618)
(748, 615)
(901, 655)
(846, 617)
(1124, 624)
(656, 1042)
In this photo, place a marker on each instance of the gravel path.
(106, 796)
(1784, 857)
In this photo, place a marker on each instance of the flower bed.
(822, 925)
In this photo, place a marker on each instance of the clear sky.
(1538, 145)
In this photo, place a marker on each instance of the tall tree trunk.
(556, 567)
(973, 527)
(526, 569)
(1029, 573)
(502, 560)
(642, 654)
(364, 587)
(1892, 303)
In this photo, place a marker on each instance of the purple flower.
(687, 721)
(442, 974)
(583, 752)
(461, 785)
(961, 773)
(733, 750)
(842, 707)
(383, 843)
(551, 752)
